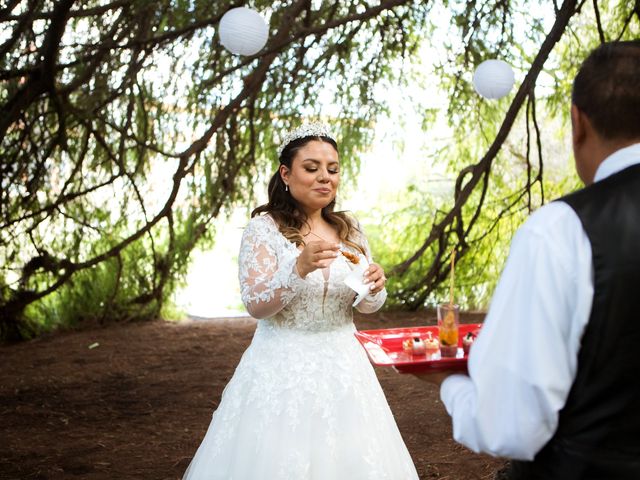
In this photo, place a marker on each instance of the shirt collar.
(618, 161)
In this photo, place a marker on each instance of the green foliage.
(522, 177)
(113, 177)
(123, 288)
(126, 135)
(404, 225)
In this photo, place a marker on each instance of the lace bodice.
(272, 289)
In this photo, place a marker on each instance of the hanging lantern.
(493, 79)
(243, 31)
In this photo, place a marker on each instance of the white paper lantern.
(243, 31)
(493, 79)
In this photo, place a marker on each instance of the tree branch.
(565, 13)
(599, 22)
(41, 80)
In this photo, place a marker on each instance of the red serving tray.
(384, 348)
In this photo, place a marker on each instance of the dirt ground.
(137, 404)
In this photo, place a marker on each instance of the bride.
(304, 401)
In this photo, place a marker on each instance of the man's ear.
(578, 127)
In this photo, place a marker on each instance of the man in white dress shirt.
(554, 376)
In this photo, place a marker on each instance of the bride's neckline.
(292, 244)
(311, 232)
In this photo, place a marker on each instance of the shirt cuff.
(450, 388)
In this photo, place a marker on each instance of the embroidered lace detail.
(271, 287)
(303, 405)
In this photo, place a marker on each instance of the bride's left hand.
(374, 274)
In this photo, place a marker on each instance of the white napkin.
(355, 280)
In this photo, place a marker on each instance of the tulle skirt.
(302, 406)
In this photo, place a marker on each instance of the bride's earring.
(286, 187)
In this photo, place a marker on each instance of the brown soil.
(137, 405)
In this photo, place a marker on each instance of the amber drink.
(448, 329)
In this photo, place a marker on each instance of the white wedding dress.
(304, 402)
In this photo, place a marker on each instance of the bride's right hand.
(316, 255)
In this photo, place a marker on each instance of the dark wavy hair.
(607, 89)
(286, 211)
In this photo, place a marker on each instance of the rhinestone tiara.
(313, 129)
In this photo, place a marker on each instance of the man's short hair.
(607, 90)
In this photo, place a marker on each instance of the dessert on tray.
(414, 345)
(467, 341)
(431, 344)
(421, 346)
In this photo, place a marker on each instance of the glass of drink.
(448, 323)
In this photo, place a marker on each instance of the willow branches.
(89, 118)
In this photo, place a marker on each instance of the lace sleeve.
(267, 270)
(371, 303)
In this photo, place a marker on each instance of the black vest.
(598, 435)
